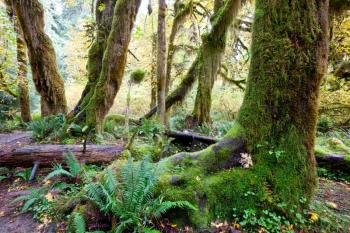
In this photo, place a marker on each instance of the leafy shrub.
(47, 127)
(131, 197)
(150, 129)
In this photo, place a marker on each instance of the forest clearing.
(165, 116)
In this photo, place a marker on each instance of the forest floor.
(333, 194)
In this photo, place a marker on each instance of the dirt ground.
(331, 193)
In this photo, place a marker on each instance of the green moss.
(277, 122)
(137, 76)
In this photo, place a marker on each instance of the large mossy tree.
(275, 127)
(42, 56)
(105, 77)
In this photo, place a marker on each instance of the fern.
(74, 168)
(58, 171)
(131, 198)
(79, 223)
(73, 164)
(34, 197)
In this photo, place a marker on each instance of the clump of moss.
(137, 76)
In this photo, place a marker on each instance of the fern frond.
(79, 223)
(58, 171)
(110, 181)
(73, 164)
(167, 205)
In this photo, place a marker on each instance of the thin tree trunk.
(153, 71)
(113, 65)
(161, 66)
(42, 57)
(180, 17)
(219, 27)
(22, 75)
(213, 50)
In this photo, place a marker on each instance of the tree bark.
(22, 75)
(274, 134)
(46, 155)
(153, 71)
(161, 58)
(213, 50)
(113, 65)
(104, 20)
(42, 57)
(181, 14)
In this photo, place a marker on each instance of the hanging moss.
(137, 76)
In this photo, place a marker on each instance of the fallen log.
(188, 137)
(11, 141)
(46, 155)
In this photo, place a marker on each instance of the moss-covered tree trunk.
(104, 16)
(213, 49)
(22, 75)
(153, 71)
(214, 39)
(113, 65)
(22, 70)
(273, 138)
(181, 13)
(161, 61)
(42, 57)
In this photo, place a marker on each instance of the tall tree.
(42, 57)
(161, 59)
(22, 70)
(22, 75)
(113, 65)
(273, 137)
(104, 17)
(220, 25)
(181, 13)
(213, 50)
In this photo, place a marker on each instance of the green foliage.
(25, 174)
(150, 129)
(79, 223)
(74, 168)
(46, 128)
(11, 124)
(4, 173)
(131, 197)
(333, 175)
(272, 222)
(35, 197)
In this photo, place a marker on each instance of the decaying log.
(11, 141)
(188, 137)
(334, 162)
(46, 155)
